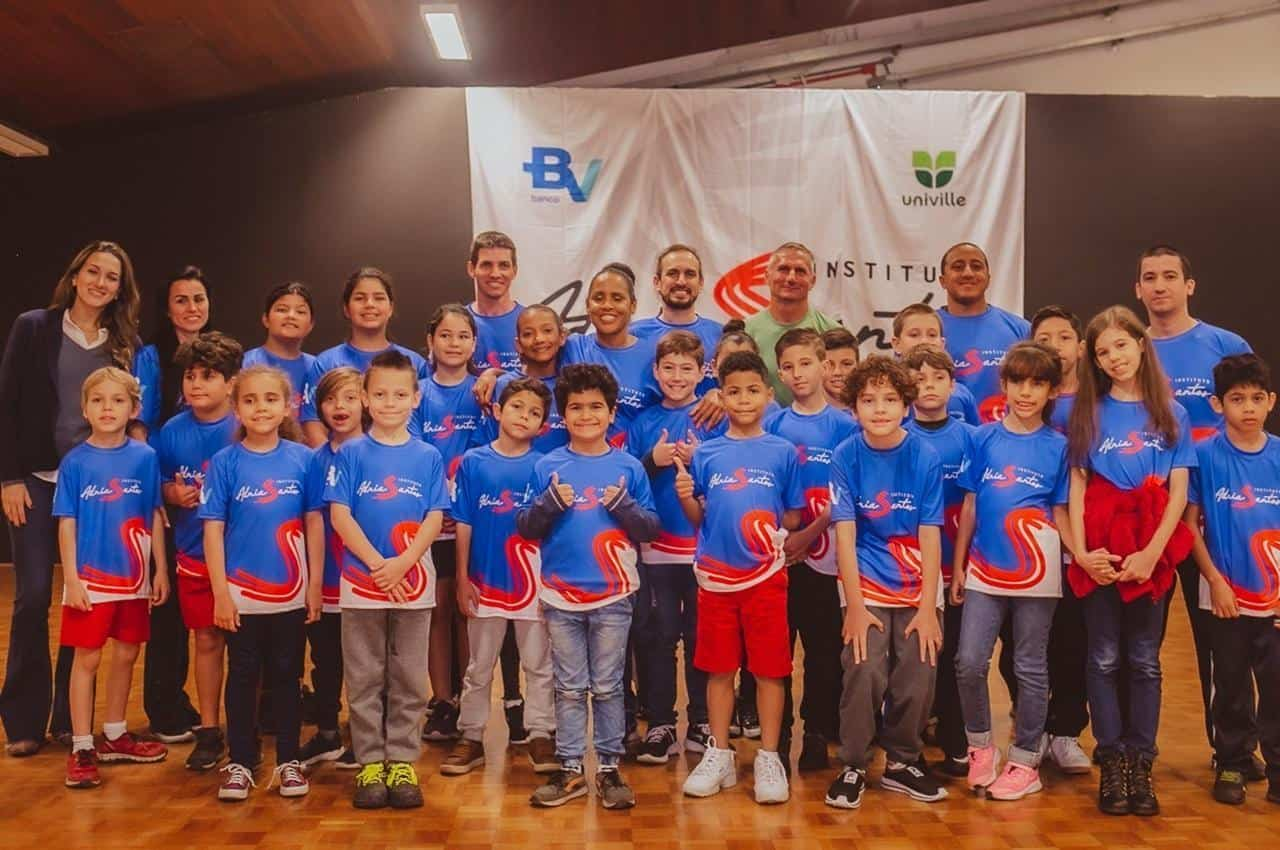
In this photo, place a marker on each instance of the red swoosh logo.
(741, 291)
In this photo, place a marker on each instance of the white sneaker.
(1068, 755)
(716, 771)
(771, 779)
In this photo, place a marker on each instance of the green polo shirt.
(766, 332)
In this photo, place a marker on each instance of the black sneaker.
(1229, 787)
(1113, 785)
(953, 767)
(443, 725)
(631, 744)
(1257, 771)
(911, 780)
(696, 737)
(560, 787)
(658, 745)
(613, 790)
(1273, 790)
(735, 723)
(209, 749)
(323, 746)
(346, 761)
(845, 792)
(403, 790)
(750, 721)
(1142, 797)
(516, 733)
(173, 736)
(813, 753)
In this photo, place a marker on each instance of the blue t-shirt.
(888, 494)
(746, 486)
(707, 330)
(977, 344)
(954, 444)
(815, 436)
(1188, 360)
(185, 447)
(675, 543)
(1016, 479)
(960, 406)
(632, 366)
(389, 490)
(112, 494)
(297, 369)
(262, 497)
(449, 419)
(1127, 452)
(505, 568)
(1060, 419)
(146, 368)
(496, 338)
(587, 559)
(347, 354)
(1239, 495)
(552, 434)
(317, 472)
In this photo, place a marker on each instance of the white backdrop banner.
(877, 183)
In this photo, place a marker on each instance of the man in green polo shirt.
(791, 274)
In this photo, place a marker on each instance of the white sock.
(114, 730)
(81, 742)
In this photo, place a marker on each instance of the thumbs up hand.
(664, 450)
(613, 491)
(684, 481)
(564, 492)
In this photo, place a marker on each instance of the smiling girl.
(184, 302)
(288, 316)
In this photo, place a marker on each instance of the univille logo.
(934, 172)
(549, 169)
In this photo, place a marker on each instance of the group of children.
(587, 511)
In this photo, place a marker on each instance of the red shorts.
(754, 619)
(195, 599)
(125, 620)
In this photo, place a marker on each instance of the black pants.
(813, 612)
(28, 675)
(325, 638)
(672, 605)
(1246, 649)
(1068, 649)
(166, 659)
(509, 658)
(270, 647)
(946, 695)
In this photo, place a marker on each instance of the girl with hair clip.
(1130, 452)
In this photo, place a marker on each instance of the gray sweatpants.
(484, 638)
(385, 649)
(892, 679)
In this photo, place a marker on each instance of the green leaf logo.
(933, 172)
(922, 162)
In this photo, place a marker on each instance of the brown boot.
(542, 755)
(465, 757)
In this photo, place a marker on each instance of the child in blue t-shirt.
(886, 503)
(449, 418)
(1130, 452)
(1008, 566)
(185, 447)
(841, 359)
(338, 402)
(743, 494)
(815, 428)
(919, 324)
(657, 436)
(593, 505)
(110, 524)
(288, 317)
(498, 580)
(387, 496)
(1236, 490)
(264, 548)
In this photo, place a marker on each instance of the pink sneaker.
(984, 764)
(1016, 782)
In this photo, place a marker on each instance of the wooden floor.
(165, 805)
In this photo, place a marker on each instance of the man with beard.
(492, 267)
(791, 274)
(678, 281)
(977, 333)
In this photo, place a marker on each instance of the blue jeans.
(588, 652)
(1124, 641)
(980, 623)
(672, 594)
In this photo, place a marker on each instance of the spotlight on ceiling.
(445, 27)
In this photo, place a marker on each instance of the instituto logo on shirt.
(1247, 496)
(269, 490)
(809, 454)
(977, 359)
(741, 477)
(1135, 442)
(1192, 387)
(389, 488)
(505, 502)
(115, 489)
(1011, 476)
(448, 426)
(886, 501)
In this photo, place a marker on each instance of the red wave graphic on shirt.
(618, 440)
(451, 472)
(816, 500)
(1135, 444)
(1201, 434)
(447, 428)
(758, 529)
(192, 567)
(608, 547)
(992, 408)
(972, 364)
(291, 543)
(671, 544)
(882, 506)
(522, 557)
(905, 551)
(741, 291)
(416, 579)
(331, 594)
(116, 490)
(1265, 546)
(1249, 499)
(136, 539)
(950, 529)
(1033, 565)
(270, 486)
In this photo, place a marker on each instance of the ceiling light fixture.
(445, 27)
(17, 143)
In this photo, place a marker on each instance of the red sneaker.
(129, 748)
(82, 769)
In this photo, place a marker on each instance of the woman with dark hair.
(184, 304)
(91, 322)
